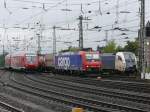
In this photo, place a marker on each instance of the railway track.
(78, 94)
(92, 90)
(10, 108)
(60, 97)
(91, 104)
(6, 106)
(122, 85)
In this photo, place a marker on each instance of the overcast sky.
(19, 18)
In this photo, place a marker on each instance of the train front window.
(129, 57)
(94, 57)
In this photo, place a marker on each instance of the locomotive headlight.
(87, 66)
(147, 43)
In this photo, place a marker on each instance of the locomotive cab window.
(129, 57)
(92, 57)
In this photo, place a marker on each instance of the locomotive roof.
(108, 54)
(78, 52)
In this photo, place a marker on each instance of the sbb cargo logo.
(64, 62)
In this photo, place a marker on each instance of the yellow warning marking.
(77, 110)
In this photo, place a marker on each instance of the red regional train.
(22, 61)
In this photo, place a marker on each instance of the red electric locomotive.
(22, 61)
(90, 61)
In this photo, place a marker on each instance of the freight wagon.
(48, 64)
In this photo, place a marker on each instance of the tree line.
(111, 47)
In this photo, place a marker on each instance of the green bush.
(148, 70)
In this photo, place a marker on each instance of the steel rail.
(74, 100)
(10, 107)
(91, 91)
(117, 84)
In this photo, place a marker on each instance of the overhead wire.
(33, 16)
(39, 13)
(33, 2)
(64, 22)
